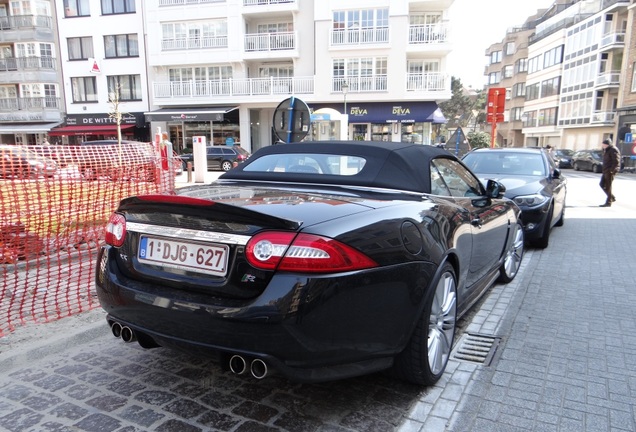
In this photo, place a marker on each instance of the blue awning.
(389, 112)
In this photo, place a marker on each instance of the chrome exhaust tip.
(238, 365)
(116, 329)
(258, 368)
(127, 335)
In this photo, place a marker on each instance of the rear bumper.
(309, 329)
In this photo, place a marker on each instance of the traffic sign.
(291, 120)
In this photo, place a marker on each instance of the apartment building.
(103, 59)
(220, 68)
(572, 84)
(31, 100)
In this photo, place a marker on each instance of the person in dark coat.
(611, 166)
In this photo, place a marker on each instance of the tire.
(543, 241)
(596, 169)
(561, 218)
(426, 355)
(514, 255)
(226, 165)
(575, 166)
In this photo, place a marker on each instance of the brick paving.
(565, 361)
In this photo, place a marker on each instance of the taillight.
(116, 230)
(305, 253)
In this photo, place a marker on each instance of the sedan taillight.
(116, 230)
(306, 253)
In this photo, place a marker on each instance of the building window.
(532, 91)
(548, 117)
(519, 90)
(84, 89)
(521, 65)
(80, 48)
(75, 8)
(515, 114)
(361, 74)
(508, 71)
(190, 35)
(534, 64)
(550, 87)
(121, 46)
(553, 57)
(128, 86)
(111, 7)
(634, 77)
(529, 119)
(510, 48)
(495, 57)
(494, 77)
(360, 26)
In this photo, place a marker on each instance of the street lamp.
(345, 89)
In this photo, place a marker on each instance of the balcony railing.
(270, 41)
(603, 117)
(612, 39)
(428, 33)
(361, 84)
(186, 43)
(29, 104)
(187, 2)
(432, 81)
(27, 63)
(233, 87)
(265, 2)
(25, 21)
(608, 79)
(359, 36)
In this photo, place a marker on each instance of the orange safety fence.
(54, 204)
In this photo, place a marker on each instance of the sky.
(477, 24)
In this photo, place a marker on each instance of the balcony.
(185, 91)
(271, 45)
(427, 82)
(260, 7)
(429, 33)
(612, 41)
(26, 28)
(30, 109)
(603, 117)
(379, 35)
(187, 2)
(12, 64)
(361, 84)
(608, 80)
(188, 43)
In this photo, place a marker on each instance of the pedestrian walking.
(611, 166)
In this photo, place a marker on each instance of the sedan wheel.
(226, 165)
(576, 166)
(596, 168)
(514, 255)
(424, 359)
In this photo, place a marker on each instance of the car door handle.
(476, 222)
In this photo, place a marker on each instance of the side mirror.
(494, 189)
(557, 173)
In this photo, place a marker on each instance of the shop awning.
(189, 114)
(389, 112)
(27, 128)
(89, 130)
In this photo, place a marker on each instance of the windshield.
(565, 152)
(505, 163)
(308, 164)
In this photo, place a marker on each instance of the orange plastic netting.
(54, 204)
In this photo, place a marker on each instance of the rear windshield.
(308, 163)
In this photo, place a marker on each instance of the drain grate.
(476, 348)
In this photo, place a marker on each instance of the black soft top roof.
(392, 165)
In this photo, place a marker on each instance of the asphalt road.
(73, 375)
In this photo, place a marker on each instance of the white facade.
(236, 60)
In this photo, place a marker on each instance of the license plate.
(196, 257)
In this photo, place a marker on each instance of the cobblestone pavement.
(564, 363)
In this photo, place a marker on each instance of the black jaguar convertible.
(317, 260)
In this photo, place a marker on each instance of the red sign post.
(495, 110)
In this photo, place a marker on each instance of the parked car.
(319, 260)
(563, 157)
(19, 162)
(588, 160)
(219, 157)
(532, 181)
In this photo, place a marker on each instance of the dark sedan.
(532, 180)
(563, 157)
(219, 157)
(588, 160)
(318, 260)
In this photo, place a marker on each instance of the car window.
(214, 151)
(458, 181)
(228, 151)
(343, 165)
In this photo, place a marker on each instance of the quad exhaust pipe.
(257, 367)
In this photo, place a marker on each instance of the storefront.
(220, 125)
(89, 127)
(389, 121)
